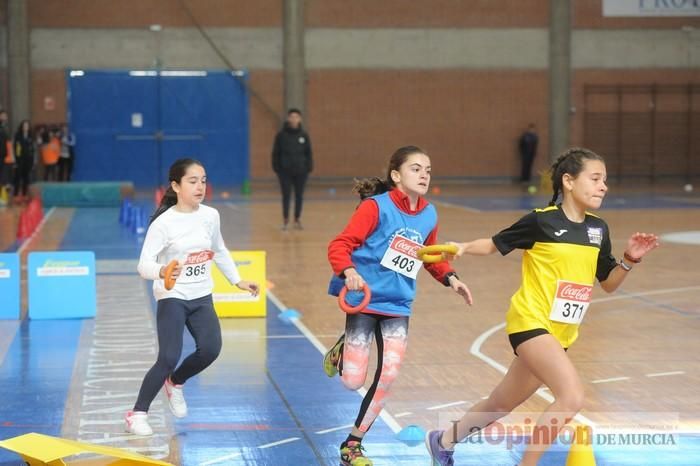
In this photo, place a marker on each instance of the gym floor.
(266, 400)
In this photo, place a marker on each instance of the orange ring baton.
(354, 309)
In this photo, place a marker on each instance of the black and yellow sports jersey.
(560, 263)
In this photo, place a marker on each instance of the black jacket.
(3, 143)
(528, 144)
(24, 149)
(291, 153)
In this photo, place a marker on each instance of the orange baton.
(168, 279)
(354, 309)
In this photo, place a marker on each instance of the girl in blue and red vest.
(378, 247)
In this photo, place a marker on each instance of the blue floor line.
(98, 229)
(280, 395)
(35, 378)
(8, 330)
(14, 247)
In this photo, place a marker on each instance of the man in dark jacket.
(528, 150)
(292, 161)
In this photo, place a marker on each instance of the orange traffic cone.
(581, 452)
(35, 213)
(158, 195)
(23, 228)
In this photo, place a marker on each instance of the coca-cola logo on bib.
(199, 257)
(405, 246)
(574, 291)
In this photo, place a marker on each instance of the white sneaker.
(137, 423)
(176, 399)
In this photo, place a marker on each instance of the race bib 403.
(570, 302)
(402, 257)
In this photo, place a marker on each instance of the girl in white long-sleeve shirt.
(182, 229)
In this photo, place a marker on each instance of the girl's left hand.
(641, 243)
(461, 289)
(253, 287)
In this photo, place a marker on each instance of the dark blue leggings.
(203, 324)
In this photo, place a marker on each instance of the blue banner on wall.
(62, 285)
(9, 286)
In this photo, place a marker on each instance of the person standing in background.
(292, 162)
(24, 152)
(528, 150)
(50, 153)
(7, 160)
(65, 162)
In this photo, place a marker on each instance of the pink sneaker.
(176, 399)
(137, 423)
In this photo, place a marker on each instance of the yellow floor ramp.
(44, 450)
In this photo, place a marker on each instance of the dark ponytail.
(176, 172)
(570, 161)
(367, 187)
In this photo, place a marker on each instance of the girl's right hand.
(176, 270)
(461, 247)
(353, 280)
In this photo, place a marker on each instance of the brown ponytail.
(367, 187)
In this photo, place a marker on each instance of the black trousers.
(298, 183)
(6, 173)
(22, 173)
(65, 168)
(51, 172)
(527, 160)
(172, 317)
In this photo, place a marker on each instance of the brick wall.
(468, 121)
(467, 117)
(142, 13)
(434, 13)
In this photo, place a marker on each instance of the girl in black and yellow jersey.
(566, 249)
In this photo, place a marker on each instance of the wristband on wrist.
(632, 259)
(625, 267)
(446, 280)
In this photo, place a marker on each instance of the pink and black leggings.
(391, 335)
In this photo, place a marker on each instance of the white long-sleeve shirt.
(194, 239)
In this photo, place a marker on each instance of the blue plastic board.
(62, 285)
